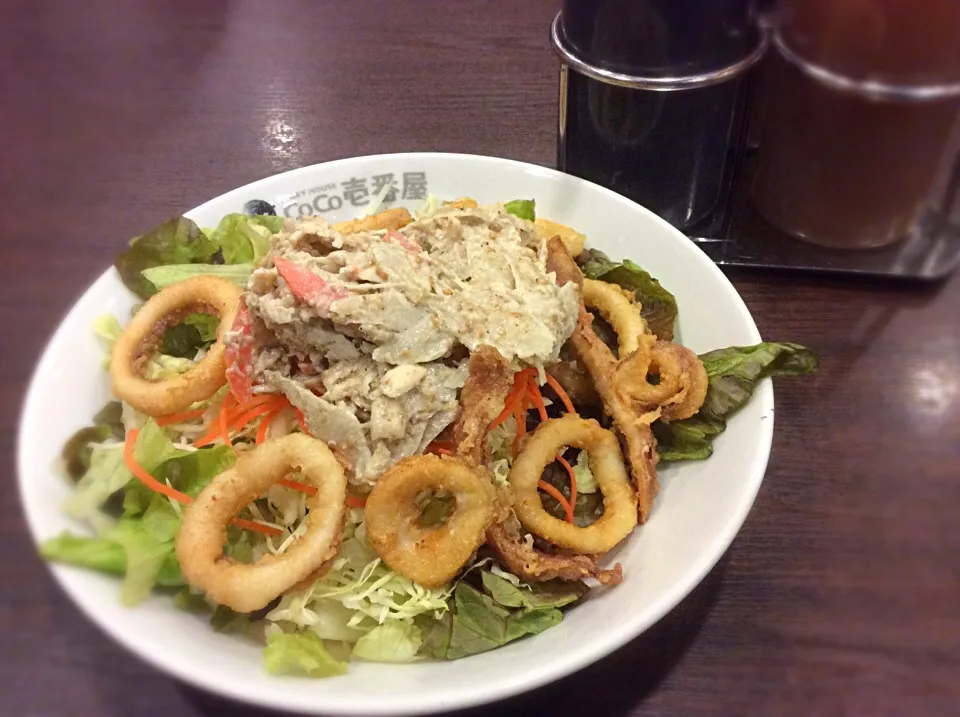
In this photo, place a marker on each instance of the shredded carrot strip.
(180, 417)
(440, 448)
(256, 527)
(141, 474)
(356, 501)
(561, 394)
(536, 398)
(508, 403)
(262, 399)
(265, 424)
(239, 417)
(573, 485)
(297, 485)
(223, 417)
(301, 421)
(558, 496)
(244, 418)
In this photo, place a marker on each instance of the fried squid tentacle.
(484, 394)
(489, 380)
(602, 365)
(526, 562)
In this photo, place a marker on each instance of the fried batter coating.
(430, 556)
(606, 462)
(142, 337)
(244, 587)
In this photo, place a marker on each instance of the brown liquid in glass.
(842, 170)
(836, 167)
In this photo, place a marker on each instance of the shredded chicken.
(365, 332)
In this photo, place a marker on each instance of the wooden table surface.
(841, 595)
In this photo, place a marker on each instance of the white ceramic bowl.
(700, 508)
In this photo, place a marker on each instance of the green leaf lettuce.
(733, 374)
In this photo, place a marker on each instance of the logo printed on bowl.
(355, 192)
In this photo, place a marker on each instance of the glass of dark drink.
(859, 118)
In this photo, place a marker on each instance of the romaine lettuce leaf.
(586, 481)
(393, 641)
(536, 596)
(145, 556)
(105, 475)
(733, 375)
(107, 328)
(479, 622)
(163, 276)
(187, 471)
(300, 654)
(140, 545)
(243, 239)
(658, 306)
(523, 208)
(436, 634)
(111, 415)
(104, 554)
(531, 622)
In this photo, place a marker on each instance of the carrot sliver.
(561, 394)
(297, 485)
(223, 417)
(573, 484)
(355, 501)
(141, 473)
(533, 392)
(261, 400)
(515, 393)
(265, 424)
(241, 420)
(301, 421)
(256, 527)
(440, 448)
(557, 496)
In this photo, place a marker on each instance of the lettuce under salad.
(359, 608)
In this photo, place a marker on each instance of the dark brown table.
(841, 596)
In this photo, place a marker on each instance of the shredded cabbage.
(378, 200)
(586, 483)
(393, 641)
(358, 594)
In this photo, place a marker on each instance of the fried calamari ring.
(429, 556)
(681, 384)
(606, 462)
(571, 238)
(244, 587)
(621, 311)
(143, 335)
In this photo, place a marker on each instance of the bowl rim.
(386, 705)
